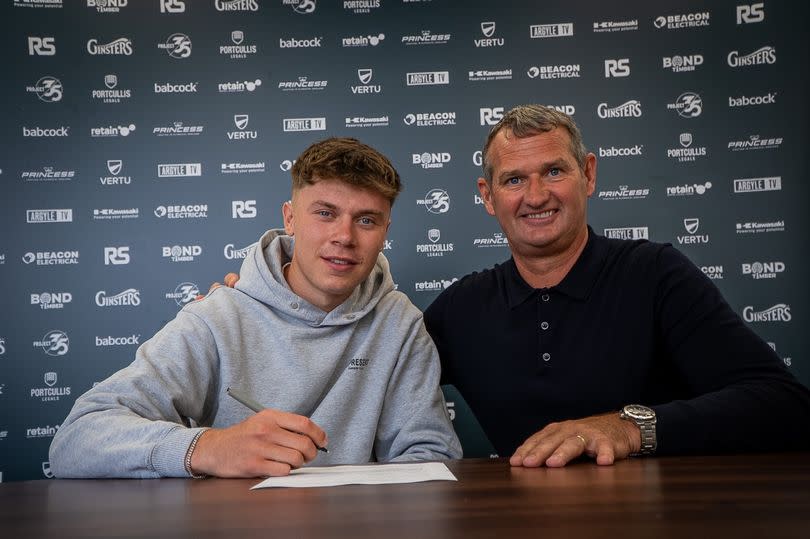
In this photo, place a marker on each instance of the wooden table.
(723, 496)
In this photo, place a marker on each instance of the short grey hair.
(528, 120)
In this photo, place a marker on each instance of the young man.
(314, 330)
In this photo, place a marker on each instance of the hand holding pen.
(268, 443)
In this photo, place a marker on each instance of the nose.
(537, 192)
(343, 231)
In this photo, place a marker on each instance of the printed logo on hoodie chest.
(358, 364)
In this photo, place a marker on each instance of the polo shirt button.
(349, 317)
(546, 356)
(294, 305)
(544, 325)
(545, 297)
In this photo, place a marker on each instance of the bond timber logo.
(745, 101)
(360, 6)
(111, 93)
(628, 233)
(757, 227)
(488, 30)
(54, 343)
(435, 201)
(497, 239)
(238, 87)
(51, 258)
(757, 185)
(294, 43)
(62, 215)
(50, 393)
(687, 152)
(691, 225)
(762, 270)
(292, 125)
(550, 72)
(430, 119)
(242, 168)
(688, 105)
(761, 56)
(434, 248)
(107, 6)
(302, 84)
(184, 293)
(688, 189)
(565, 109)
(427, 78)
(304, 7)
(615, 26)
(682, 63)
(37, 132)
(236, 5)
(426, 37)
(628, 109)
(48, 89)
(131, 297)
(540, 31)
(681, 21)
(778, 313)
(434, 285)
(182, 211)
(431, 159)
(230, 252)
(47, 174)
(112, 131)
(369, 40)
(364, 75)
(239, 50)
(177, 46)
(51, 300)
(489, 74)
(181, 253)
(241, 122)
(755, 142)
(624, 193)
(367, 121)
(118, 47)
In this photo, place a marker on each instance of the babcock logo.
(630, 151)
(118, 341)
(293, 43)
(119, 47)
(61, 131)
(131, 297)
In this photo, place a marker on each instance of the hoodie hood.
(262, 278)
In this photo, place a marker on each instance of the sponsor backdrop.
(146, 145)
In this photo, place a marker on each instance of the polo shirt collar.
(577, 284)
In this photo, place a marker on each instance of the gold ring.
(584, 441)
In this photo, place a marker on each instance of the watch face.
(636, 411)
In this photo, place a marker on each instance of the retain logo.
(435, 201)
(539, 31)
(688, 189)
(363, 40)
(434, 285)
(54, 343)
(628, 233)
(112, 131)
(238, 87)
(427, 78)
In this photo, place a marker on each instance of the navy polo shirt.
(632, 322)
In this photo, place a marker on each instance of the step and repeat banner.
(146, 144)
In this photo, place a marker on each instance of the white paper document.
(375, 474)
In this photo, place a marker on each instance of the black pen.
(255, 406)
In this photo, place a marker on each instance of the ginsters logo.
(692, 224)
(687, 105)
(426, 37)
(435, 201)
(48, 89)
(302, 84)
(362, 40)
(430, 119)
(688, 189)
(628, 233)
(241, 122)
(131, 297)
(778, 313)
(239, 49)
(47, 174)
(497, 239)
(177, 46)
(118, 47)
(51, 300)
(360, 6)
(435, 285)
(434, 248)
(757, 227)
(112, 131)
(364, 75)
(761, 56)
(539, 31)
(687, 152)
(755, 142)
(51, 258)
(757, 185)
(624, 193)
(763, 270)
(236, 5)
(52, 392)
(682, 63)
(550, 72)
(54, 343)
(184, 293)
(230, 252)
(431, 159)
(628, 109)
(111, 93)
(488, 31)
(182, 211)
(427, 78)
(681, 21)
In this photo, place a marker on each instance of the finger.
(231, 279)
(605, 453)
(302, 425)
(278, 453)
(535, 451)
(570, 449)
(272, 468)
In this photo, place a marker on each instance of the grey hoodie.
(366, 372)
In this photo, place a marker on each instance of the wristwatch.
(644, 417)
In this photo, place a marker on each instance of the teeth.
(547, 213)
(336, 261)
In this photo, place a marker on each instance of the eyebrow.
(329, 205)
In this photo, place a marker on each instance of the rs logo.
(243, 209)
(116, 256)
(491, 116)
(617, 68)
(41, 46)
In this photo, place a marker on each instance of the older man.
(585, 345)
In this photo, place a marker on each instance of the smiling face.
(538, 193)
(339, 230)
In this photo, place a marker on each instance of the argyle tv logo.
(490, 116)
(51, 300)
(691, 224)
(757, 185)
(116, 256)
(689, 189)
(41, 46)
(172, 6)
(177, 46)
(243, 209)
(617, 67)
(304, 124)
(184, 293)
(131, 297)
(236, 5)
(54, 343)
(538, 31)
(179, 170)
(751, 13)
(628, 233)
(427, 78)
(488, 29)
(365, 75)
(688, 105)
(241, 122)
(49, 216)
(435, 201)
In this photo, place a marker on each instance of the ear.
(590, 173)
(486, 195)
(287, 212)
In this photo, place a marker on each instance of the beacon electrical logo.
(182, 211)
(429, 119)
(51, 258)
(551, 72)
(682, 21)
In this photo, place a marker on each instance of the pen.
(255, 406)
